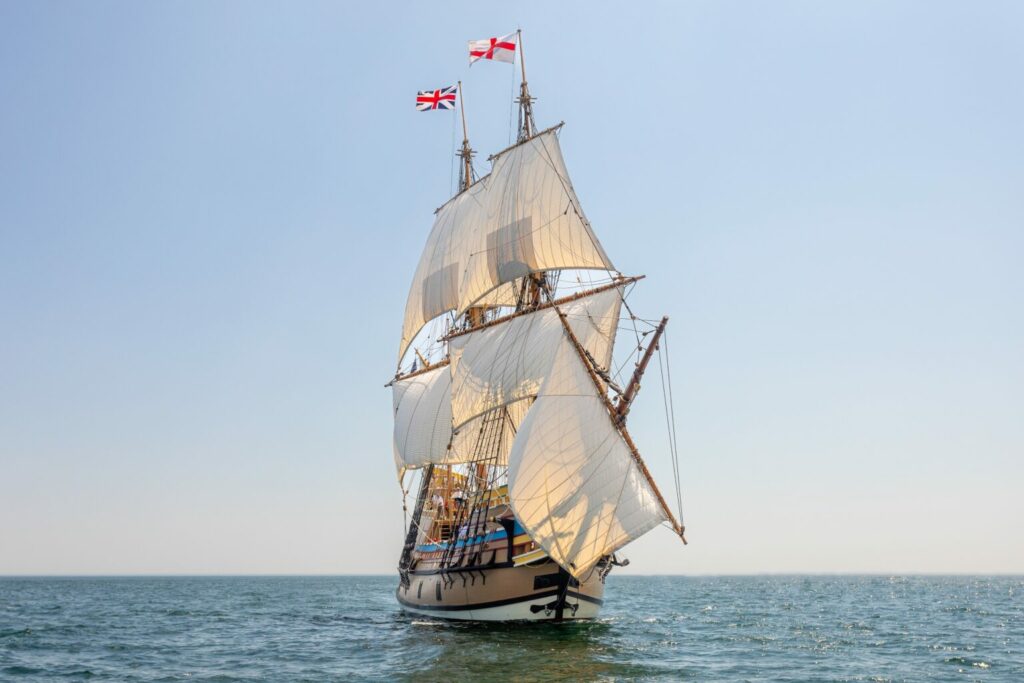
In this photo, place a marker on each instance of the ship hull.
(540, 592)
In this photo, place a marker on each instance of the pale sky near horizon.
(210, 213)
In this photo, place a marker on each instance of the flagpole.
(522, 55)
(466, 153)
(462, 108)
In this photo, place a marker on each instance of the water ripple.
(877, 629)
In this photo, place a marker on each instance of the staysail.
(521, 218)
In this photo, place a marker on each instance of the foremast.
(466, 153)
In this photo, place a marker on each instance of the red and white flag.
(499, 49)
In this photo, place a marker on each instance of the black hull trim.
(495, 603)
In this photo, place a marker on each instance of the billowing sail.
(573, 482)
(423, 419)
(519, 429)
(522, 218)
(505, 363)
(423, 433)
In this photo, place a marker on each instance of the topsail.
(522, 218)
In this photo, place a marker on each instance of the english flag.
(499, 49)
(443, 98)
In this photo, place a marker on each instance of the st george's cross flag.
(442, 98)
(499, 49)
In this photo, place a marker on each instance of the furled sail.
(573, 482)
(521, 218)
(508, 362)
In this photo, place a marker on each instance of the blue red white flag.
(443, 98)
(499, 49)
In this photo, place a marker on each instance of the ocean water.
(792, 628)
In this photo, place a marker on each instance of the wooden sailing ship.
(506, 402)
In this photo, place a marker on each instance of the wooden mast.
(613, 414)
(466, 153)
(535, 283)
(619, 282)
(634, 383)
(423, 361)
(474, 314)
(526, 124)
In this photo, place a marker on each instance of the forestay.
(521, 218)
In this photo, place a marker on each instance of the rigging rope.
(675, 440)
(512, 106)
(665, 370)
(451, 171)
(405, 510)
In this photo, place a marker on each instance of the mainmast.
(527, 127)
(534, 285)
(466, 153)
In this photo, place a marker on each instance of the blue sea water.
(792, 628)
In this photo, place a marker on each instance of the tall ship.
(521, 479)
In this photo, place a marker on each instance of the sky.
(210, 213)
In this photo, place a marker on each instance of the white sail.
(522, 218)
(423, 419)
(423, 433)
(478, 437)
(508, 362)
(573, 482)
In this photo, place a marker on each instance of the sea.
(349, 628)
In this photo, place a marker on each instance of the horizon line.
(186, 575)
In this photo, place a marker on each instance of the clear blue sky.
(210, 214)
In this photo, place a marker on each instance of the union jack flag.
(499, 49)
(443, 98)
